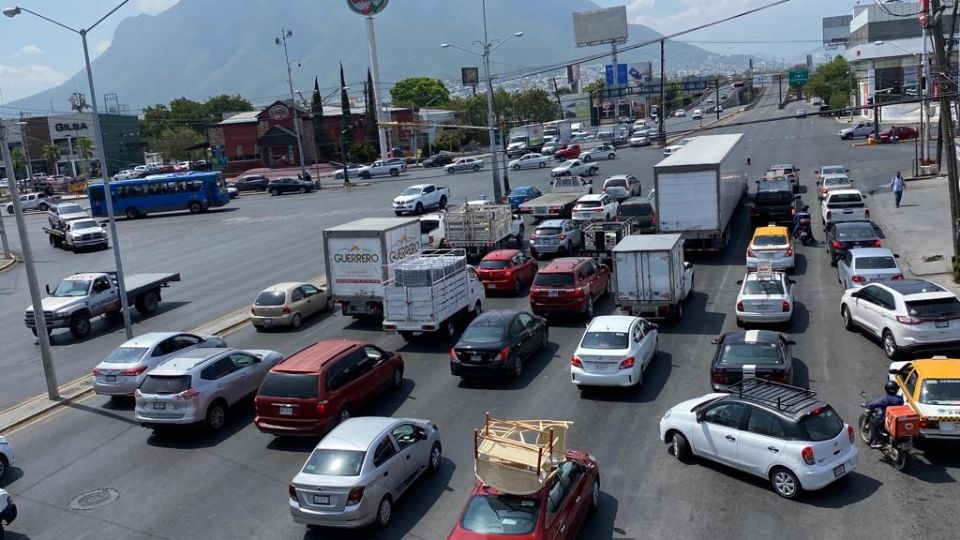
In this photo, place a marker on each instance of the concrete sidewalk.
(919, 231)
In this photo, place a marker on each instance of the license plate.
(602, 367)
(158, 405)
(286, 411)
(267, 322)
(553, 294)
(549, 242)
(492, 285)
(949, 426)
(475, 357)
(321, 499)
(839, 470)
(942, 324)
(111, 378)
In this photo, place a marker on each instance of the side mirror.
(687, 265)
(791, 342)
(792, 282)
(699, 416)
(896, 255)
(653, 326)
(47, 287)
(739, 282)
(797, 197)
(715, 341)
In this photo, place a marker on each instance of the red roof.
(501, 255)
(314, 357)
(564, 264)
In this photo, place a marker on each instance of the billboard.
(607, 25)
(639, 73)
(470, 76)
(575, 106)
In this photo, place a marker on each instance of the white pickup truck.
(77, 234)
(81, 297)
(844, 205)
(575, 167)
(34, 201)
(420, 197)
(379, 168)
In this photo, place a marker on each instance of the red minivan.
(323, 385)
(569, 285)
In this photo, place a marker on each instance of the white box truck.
(698, 191)
(651, 278)
(359, 257)
(432, 291)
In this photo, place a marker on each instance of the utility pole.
(942, 74)
(780, 88)
(661, 134)
(284, 34)
(556, 92)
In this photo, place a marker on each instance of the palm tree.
(84, 147)
(51, 153)
(19, 161)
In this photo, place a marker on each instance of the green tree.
(449, 139)
(419, 91)
(174, 142)
(362, 153)
(155, 119)
(51, 153)
(83, 147)
(534, 105)
(595, 86)
(373, 134)
(19, 161)
(320, 136)
(832, 83)
(217, 105)
(345, 115)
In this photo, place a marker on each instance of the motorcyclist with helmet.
(890, 399)
(803, 215)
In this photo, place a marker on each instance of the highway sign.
(799, 77)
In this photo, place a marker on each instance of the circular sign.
(278, 112)
(367, 7)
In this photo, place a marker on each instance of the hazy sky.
(38, 55)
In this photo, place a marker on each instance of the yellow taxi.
(773, 246)
(932, 388)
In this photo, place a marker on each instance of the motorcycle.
(802, 231)
(874, 435)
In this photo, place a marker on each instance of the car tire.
(302, 190)
(148, 303)
(365, 175)
(443, 202)
(889, 343)
(80, 325)
(545, 339)
(680, 447)
(450, 170)
(419, 208)
(3, 469)
(394, 172)
(436, 457)
(608, 289)
(785, 483)
(612, 156)
(565, 173)
(397, 381)
(274, 192)
(43, 207)
(847, 318)
(10, 210)
(595, 493)
(476, 168)
(296, 321)
(517, 367)
(398, 213)
(515, 168)
(541, 165)
(384, 512)
(589, 310)
(586, 159)
(216, 416)
(741, 324)
(847, 137)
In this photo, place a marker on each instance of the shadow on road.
(191, 437)
(600, 522)
(654, 379)
(101, 326)
(532, 367)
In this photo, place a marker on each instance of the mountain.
(200, 48)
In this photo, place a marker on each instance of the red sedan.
(506, 270)
(556, 512)
(902, 133)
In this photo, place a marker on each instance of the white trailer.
(359, 257)
(431, 291)
(651, 278)
(698, 193)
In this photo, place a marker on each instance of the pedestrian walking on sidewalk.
(896, 186)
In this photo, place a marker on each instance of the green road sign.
(799, 77)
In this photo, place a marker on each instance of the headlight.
(667, 414)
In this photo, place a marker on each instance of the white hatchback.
(614, 351)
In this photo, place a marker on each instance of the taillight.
(908, 319)
(877, 243)
(579, 292)
(829, 214)
(285, 310)
(929, 424)
(532, 237)
(740, 306)
(562, 237)
(793, 211)
(133, 372)
(866, 213)
(789, 252)
(453, 355)
(321, 408)
(897, 277)
(628, 363)
(859, 279)
(720, 378)
(292, 491)
(575, 361)
(835, 244)
(190, 393)
(503, 354)
(137, 393)
(653, 220)
(749, 252)
(356, 494)
(850, 433)
(807, 455)
(786, 306)
(97, 371)
(777, 377)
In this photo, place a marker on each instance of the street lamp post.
(108, 197)
(284, 34)
(488, 47)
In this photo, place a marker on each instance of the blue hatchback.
(522, 194)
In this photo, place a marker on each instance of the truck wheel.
(147, 303)
(443, 202)
(44, 207)
(132, 213)
(194, 207)
(80, 326)
(451, 329)
(407, 336)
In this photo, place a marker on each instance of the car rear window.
(605, 340)
(774, 197)
(934, 308)
(875, 263)
(478, 334)
(163, 384)
(589, 204)
(763, 286)
(845, 199)
(940, 392)
(741, 354)
(501, 514)
(836, 182)
(636, 210)
(494, 265)
(548, 231)
(856, 232)
(334, 462)
(70, 209)
(767, 240)
(615, 183)
(822, 424)
(125, 355)
(290, 385)
(554, 279)
(270, 299)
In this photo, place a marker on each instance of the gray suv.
(556, 236)
(198, 386)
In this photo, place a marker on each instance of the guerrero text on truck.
(359, 258)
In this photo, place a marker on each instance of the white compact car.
(574, 167)
(529, 161)
(765, 297)
(778, 432)
(906, 315)
(604, 151)
(598, 207)
(860, 266)
(614, 351)
(833, 182)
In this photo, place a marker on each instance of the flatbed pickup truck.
(78, 234)
(81, 297)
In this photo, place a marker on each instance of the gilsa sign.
(69, 126)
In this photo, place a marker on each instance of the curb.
(38, 407)
(10, 262)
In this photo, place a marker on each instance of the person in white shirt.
(896, 186)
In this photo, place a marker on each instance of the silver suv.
(559, 236)
(198, 386)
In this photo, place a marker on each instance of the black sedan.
(755, 353)
(845, 235)
(438, 160)
(255, 182)
(496, 344)
(289, 185)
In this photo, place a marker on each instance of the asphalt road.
(234, 484)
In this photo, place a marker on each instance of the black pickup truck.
(773, 202)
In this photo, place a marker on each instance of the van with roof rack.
(769, 429)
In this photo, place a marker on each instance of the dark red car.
(569, 285)
(506, 270)
(567, 151)
(556, 512)
(902, 133)
(323, 385)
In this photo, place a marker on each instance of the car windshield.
(832, 170)
(411, 191)
(856, 232)
(822, 424)
(875, 263)
(940, 392)
(548, 231)
(763, 286)
(270, 298)
(742, 353)
(494, 265)
(605, 340)
(829, 182)
(554, 279)
(125, 355)
(72, 287)
(934, 308)
(84, 224)
(485, 332)
(163, 384)
(500, 514)
(334, 462)
(290, 385)
(70, 209)
(774, 197)
(767, 240)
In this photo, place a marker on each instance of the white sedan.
(614, 351)
(860, 266)
(764, 297)
(604, 151)
(574, 167)
(595, 207)
(639, 140)
(529, 161)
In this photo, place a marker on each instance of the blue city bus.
(193, 191)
